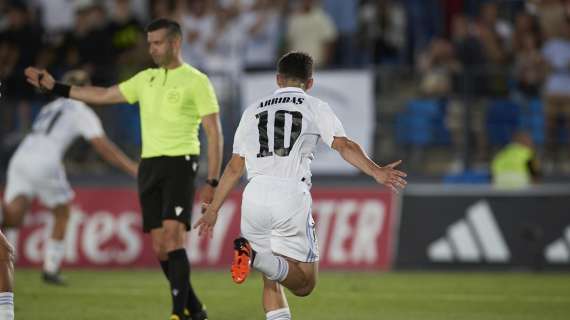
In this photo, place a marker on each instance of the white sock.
(274, 267)
(54, 252)
(279, 314)
(6, 306)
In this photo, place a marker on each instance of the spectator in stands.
(469, 85)
(524, 24)
(437, 67)
(225, 47)
(494, 35)
(383, 30)
(196, 25)
(516, 166)
(163, 9)
(263, 23)
(551, 16)
(20, 45)
(489, 19)
(312, 31)
(90, 44)
(424, 21)
(529, 67)
(3, 14)
(125, 30)
(57, 17)
(345, 17)
(556, 52)
(225, 44)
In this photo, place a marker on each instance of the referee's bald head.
(172, 27)
(296, 65)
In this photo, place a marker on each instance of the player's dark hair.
(172, 27)
(296, 65)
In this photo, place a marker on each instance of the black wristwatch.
(212, 182)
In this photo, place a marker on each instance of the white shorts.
(276, 217)
(37, 178)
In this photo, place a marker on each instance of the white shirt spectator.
(310, 33)
(226, 55)
(194, 52)
(56, 15)
(261, 47)
(557, 54)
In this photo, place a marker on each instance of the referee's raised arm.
(44, 81)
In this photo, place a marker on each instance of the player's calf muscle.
(299, 281)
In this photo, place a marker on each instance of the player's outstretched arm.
(44, 81)
(234, 170)
(112, 154)
(353, 153)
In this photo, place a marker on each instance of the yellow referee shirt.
(172, 103)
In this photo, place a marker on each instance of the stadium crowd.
(465, 53)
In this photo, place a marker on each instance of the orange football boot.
(241, 265)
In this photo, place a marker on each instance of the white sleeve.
(328, 124)
(240, 136)
(88, 123)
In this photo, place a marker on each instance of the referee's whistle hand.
(39, 78)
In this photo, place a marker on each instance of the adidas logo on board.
(475, 238)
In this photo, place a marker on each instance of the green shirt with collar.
(172, 103)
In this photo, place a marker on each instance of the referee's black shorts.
(166, 189)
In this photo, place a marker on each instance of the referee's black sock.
(164, 266)
(193, 304)
(178, 275)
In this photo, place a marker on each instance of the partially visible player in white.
(36, 169)
(275, 141)
(6, 279)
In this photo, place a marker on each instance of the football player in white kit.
(275, 141)
(6, 277)
(36, 169)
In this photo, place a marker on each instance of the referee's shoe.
(200, 315)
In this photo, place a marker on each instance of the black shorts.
(166, 189)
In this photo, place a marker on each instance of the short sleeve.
(205, 97)
(88, 123)
(239, 137)
(328, 124)
(130, 88)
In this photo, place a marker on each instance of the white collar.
(289, 90)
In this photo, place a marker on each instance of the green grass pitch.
(143, 294)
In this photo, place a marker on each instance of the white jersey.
(36, 170)
(57, 125)
(278, 134)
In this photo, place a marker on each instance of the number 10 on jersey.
(279, 134)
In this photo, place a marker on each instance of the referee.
(174, 99)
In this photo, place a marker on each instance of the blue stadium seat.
(502, 121)
(468, 177)
(531, 119)
(424, 107)
(402, 128)
(535, 106)
(422, 123)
